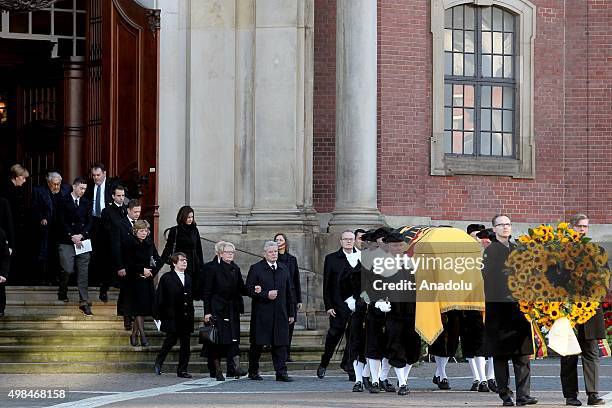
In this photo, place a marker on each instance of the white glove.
(383, 305)
(350, 302)
(365, 297)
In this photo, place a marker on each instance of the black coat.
(270, 318)
(186, 239)
(507, 331)
(120, 234)
(45, 206)
(4, 254)
(16, 197)
(174, 304)
(74, 220)
(222, 297)
(337, 285)
(111, 182)
(6, 221)
(290, 262)
(140, 291)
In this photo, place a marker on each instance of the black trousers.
(403, 343)
(230, 353)
(2, 296)
(338, 326)
(184, 351)
(590, 367)
(522, 375)
(279, 358)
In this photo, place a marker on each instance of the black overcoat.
(337, 273)
(270, 318)
(140, 291)
(290, 262)
(174, 304)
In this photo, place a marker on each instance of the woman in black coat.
(185, 237)
(290, 262)
(142, 264)
(222, 297)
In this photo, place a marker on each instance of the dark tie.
(76, 202)
(98, 207)
(273, 267)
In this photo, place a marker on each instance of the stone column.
(356, 85)
(74, 118)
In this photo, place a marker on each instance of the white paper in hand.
(383, 305)
(86, 247)
(157, 324)
(562, 338)
(350, 302)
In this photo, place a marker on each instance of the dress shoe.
(62, 298)
(483, 387)
(352, 377)
(284, 378)
(436, 379)
(507, 401)
(475, 384)
(526, 400)
(358, 387)
(443, 384)
(289, 360)
(492, 385)
(184, 374)
(595, 400)
(573, 402)
(133, 340)
(103, 296)
(157, 369)
(219, 377)
(236, 374)
(367, 384)
(255, 377)
(386, 386)
(86, 310)
(374, 389)
(1, 313)
(144, 343)
(127, 323)
(403, 390)
(321, 371)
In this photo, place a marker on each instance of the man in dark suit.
(174, 307)
(588, 336)
(336, 268)
(272, 311)
(4, 263)
(75, 227)
(111, 216)
(45, 203)
(6, 224)
(507, 331)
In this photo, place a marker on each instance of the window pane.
(64, 4)
(508, 43)
(508, 67)
(485, 96)
(457, 142)
(81, 19)
(469, 41)
(486, 66)
(469, 18)
(468, 96)
(469, 65)
(447, 142)
(497, 19)
(468, 120)
(486, 18)
(508, 96)
(448, 40)
(485, 143)
(63, 23)
(498, 43)
(458, 40)
(497, 66)
(448, 95)
(18, 22)
(458, 118)
(41, 22)
(458, 17)
(497, 97)
(508, 21)
(448, 18)
(448, 118)
(496, 116)
(458, 64)
(507, 125)
(468, 143)
(485, 119)
(496, 144)
(448, 63)
(508, 144)
(486, 43)
(458, 95)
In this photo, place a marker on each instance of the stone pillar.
(74, 118)
(356, 85)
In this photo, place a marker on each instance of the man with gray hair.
(45, 201)
(272, 311)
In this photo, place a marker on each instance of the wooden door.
(123, 76)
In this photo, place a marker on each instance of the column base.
(355, 218)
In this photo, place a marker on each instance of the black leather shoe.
(527, 400)
(86, 310)
(127, 323)
(157, 369)
(184, 374)
(436, 379)
(352, 377)
(492, 385)
(289, 360)
(443, 384)
(507, 401)
(103, 296)
(255, 377)
(483, 387)
(220, 377)
(475, 385)
(133, 340)
(573, 402)
(595, 400)
(374, 389)
(403, 390)
(1, 313)
(387, 386)
(321, 371)
(366, 383)
(358, 387)
(62, 297)
(284, 378)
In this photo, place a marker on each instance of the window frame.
(522, 164)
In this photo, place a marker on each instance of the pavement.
(152, 391)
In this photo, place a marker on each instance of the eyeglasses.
(507, 224)
(228, 252)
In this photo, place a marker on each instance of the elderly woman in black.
(185, 237)
(142, 264)
(290, 262)
(222, 297)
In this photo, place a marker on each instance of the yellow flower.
(591, 249)
(523, 239)
(570, 264)
(601, 259)
(563, 226)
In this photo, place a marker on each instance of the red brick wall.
(573, 171)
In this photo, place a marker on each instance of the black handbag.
(209, 334)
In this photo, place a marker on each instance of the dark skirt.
(139, 297)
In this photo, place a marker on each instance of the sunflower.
(601, 259)
(570, 264)
(524, 239)
(591, 249)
